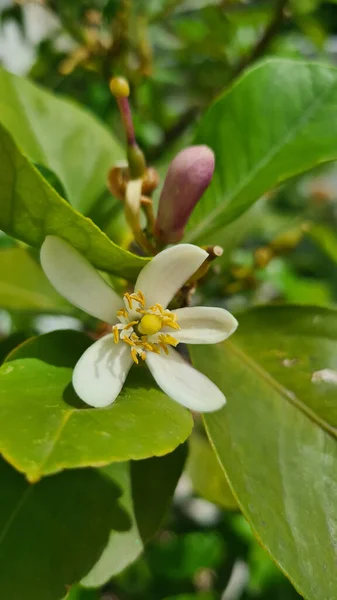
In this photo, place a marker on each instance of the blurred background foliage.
(178, 56)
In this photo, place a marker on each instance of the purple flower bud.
(188, 176)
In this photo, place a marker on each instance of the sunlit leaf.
(276, 121)
(56, 133)
(31, 209)
(44, 427)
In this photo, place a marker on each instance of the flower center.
(141, 327)
(150, 324)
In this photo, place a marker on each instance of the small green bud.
(136, 160)
(119, 87)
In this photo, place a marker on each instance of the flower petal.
(168, 271)
(183, 383)
(203, 325)
(75, 278)
(100, 373)
(133, 195)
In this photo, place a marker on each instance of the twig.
(265, 40)
(172, 133)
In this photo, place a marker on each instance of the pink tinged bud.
(188, 176)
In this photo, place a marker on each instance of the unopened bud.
(136, 160)
(188, 176)
(119, 87)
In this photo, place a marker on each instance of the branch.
(171, 134)
(265, 40)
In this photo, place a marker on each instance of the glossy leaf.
(278, 120)
(206, 473)
(24, 286)
(31, 209)
(276, 438)
(57, 134)
(44, 427)
(148, 487)
(58, 529)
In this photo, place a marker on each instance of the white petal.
(133, 195)
(168, 271)
(100, 373)
(75, 278)
(183, 383)
(203, 325)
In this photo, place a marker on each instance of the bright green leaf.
(276, 437)
(31, 209)
(24, 286)
(206, 473)
(61, 528)
(79, 593)
(44, 427)
(278, 120)
(57, 134)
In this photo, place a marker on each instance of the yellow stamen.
(150, 324)
(128, 299)
(122, 313)
(165, 348)
(166, 338)
(116, 335)
(143, 355)
(134, 355)
(128, 340)
(129, 325)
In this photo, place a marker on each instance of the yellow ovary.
(145, 334)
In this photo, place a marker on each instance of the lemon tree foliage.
(276, 121)
(83, 489)
(60, 135)
(277, 437)
(57, 430)
(32, 209)
(103, 506)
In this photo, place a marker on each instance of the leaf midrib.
(278, 387)
(207, 222)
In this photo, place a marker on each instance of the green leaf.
(206, 473)
(7, 344)
(59, 135)
(179, 558)
(276, 437)
(148, 487)
(324, 238)
(43, 528)
(79, 593)
(31, 209)
(24, 286)
(74, 523)
(278, 120)
(44, 427)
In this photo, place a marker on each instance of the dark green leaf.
(55, 530)
(148, 487)
(75, 523)
(276, 438)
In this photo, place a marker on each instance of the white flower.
(142, 327)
